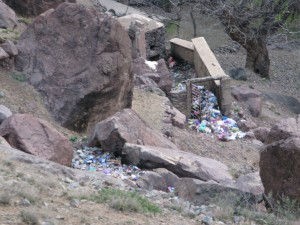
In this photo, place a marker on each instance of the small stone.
(25, 202)
(2, 94)
(4, 113)
(74, 185)
(207, 220)
(238, 219)
(74, 203)
(60, 217)
(3, 54)
(47, 223)
(68, 180)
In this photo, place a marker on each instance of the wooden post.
(189, 99)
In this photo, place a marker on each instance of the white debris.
(151, 64)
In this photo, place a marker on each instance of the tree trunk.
(258, 58)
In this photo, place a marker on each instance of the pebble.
(207, 220)
(60, 217)
(74, 203)
(2, 94)
(47, 223)
(25, 202)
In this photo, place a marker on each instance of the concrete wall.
(199, 53)
(154, 34)
(182, 49)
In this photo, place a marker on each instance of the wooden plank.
(203, 79)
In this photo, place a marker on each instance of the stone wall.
(154, 35)
(182, 49)
(155, 44)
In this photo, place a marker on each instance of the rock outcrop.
(80, 61)
(151, 180)
(8, 18)
(126, 127)
(251, 97)
(37, 137)
(34, 7)
(200, 192)
(156, 71)
(261, 133)
(280, 160)
(183, 164)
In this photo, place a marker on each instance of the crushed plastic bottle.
(207, 118)
(96, 160)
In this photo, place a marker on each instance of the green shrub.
(29, 218)
(19, 76)
(123, 201)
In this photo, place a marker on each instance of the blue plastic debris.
(207, 118)
(96, 160)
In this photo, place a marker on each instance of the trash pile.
(95, 159)
(207, 118)
(180, 71)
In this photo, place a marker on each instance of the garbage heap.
(207, 118)
(95, 159)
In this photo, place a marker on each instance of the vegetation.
(281, 213)
(123, 201)
(29, 218)
(19, 76)
(5, 199)
(8, 34)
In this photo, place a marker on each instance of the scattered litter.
(151, 64)
(95, 159)
(171, 62)
(207, 118)
(171, 189)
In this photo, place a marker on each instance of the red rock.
(126, 127)
(160, 74)
(3, 54)
(8, 18)
(261, 133)
(151, 180)
(181, 163)
(36, 137)
(34, 7)
(246, 125)
(80, 61)
(10, 48)
(280, 160)
(252, 97)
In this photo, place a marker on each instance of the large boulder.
(34, 7)
(203, 193)
(151, 180)
(126, 127)
(8, 18)
(251, 97)
(261, 133)
(183, 164)
(80, 61)
(280, 160)
(37, 137)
